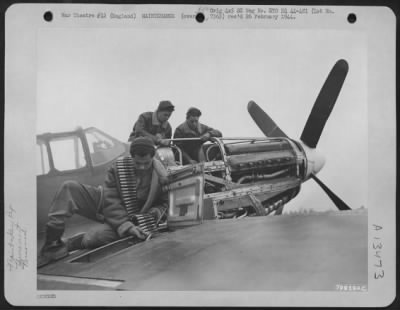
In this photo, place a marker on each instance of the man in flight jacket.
(155, 125)
(104, 205)
(192, 128)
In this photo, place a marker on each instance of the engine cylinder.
(256, 160)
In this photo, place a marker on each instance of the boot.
(54, 248)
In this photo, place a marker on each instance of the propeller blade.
(324, 104)
(263, 121)
(340, 204)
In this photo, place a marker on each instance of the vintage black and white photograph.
(201, 149)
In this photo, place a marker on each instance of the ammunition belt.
(127, 184)
(145, 221)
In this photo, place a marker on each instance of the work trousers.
(76, 198)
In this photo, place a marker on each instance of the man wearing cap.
(192, 128)
(104, 205)
(155, 125)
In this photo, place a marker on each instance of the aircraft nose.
(318, 162)
(315, 160)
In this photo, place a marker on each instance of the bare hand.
(205, 137)
(138, 232)
(156, 213)
(158, 137)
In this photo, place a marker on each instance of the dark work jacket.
(148, 125)
(191, 148)
(113, 208)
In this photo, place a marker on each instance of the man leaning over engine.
(192, 128)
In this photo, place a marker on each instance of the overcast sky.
(106, 77)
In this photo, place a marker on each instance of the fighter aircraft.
(218, 234)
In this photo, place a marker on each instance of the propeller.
(315, 124)
(324, 104)
(340, 204)
(264, 122)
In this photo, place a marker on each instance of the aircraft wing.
(288, 252)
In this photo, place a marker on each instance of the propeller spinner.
(313, 128)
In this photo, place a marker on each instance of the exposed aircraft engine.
(240, 177)
(262, 160)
